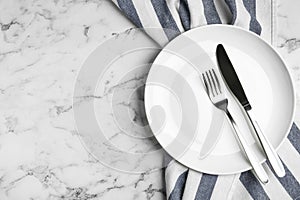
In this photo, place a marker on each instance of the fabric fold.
(182, 15)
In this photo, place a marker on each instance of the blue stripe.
(165, 18)
(128, 8)
(206, 187)
(250, 5)
(253, 186)
(232, 7)
(184, 14)
(294, 137)
(210, 12)
(177, 192)
(289, 182)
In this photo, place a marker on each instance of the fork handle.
(267, 147)
(258, 169)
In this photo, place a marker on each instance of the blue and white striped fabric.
(182, 15)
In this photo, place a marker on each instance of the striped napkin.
(182, 15)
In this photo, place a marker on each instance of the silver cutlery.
(235, 86)
(218, 98)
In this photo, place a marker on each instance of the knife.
(235, 86)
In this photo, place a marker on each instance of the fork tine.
(210, 84)
(205, 83)
(217, 80)
(213, 81)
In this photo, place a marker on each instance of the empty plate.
(181, 115)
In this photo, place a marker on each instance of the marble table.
(42, 46)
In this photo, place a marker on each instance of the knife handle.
(267, 147)
(258, 169)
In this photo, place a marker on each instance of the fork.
(218, 98)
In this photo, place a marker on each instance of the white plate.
(180, 113)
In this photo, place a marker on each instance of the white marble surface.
(288, 42)
(42, 46)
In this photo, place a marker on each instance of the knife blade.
(231, 78)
